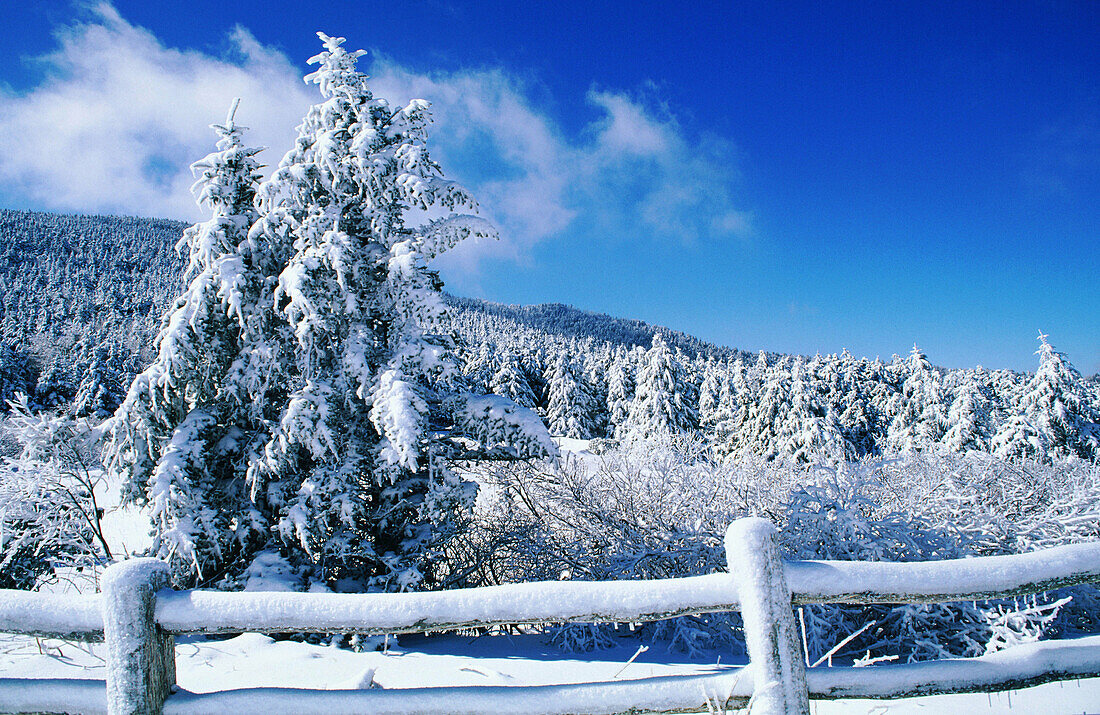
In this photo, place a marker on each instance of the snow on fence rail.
(138, 618)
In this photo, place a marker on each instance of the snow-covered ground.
(255, 660)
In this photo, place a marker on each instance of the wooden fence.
(138, 617)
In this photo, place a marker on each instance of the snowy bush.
(659, 509)
(48, 512)
(932, 507)
(632, 513)
(846, 515)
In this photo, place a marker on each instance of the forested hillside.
(83, 295)
(81, 299)
(565, 321)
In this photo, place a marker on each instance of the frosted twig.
(841, 644)
(805, 644)
(641, 649)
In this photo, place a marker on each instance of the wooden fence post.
(141, 663)
(776, 659)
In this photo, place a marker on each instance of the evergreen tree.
(664, 400)
(1057, 404)
(55, 386)
(1017, 439)
(762, 427)
(16, 373)
(570, 404)
(479, 368)
(356, 469)
(756, 374)
(319, 416)
(807, 432)
(731, 409)
(620, 391)
(918, 412)
(969, 419)
(177, 439)
(858, 418)
(1004, 388)
(100, 391)
(509, 381)
(715, 379)
(597, 364)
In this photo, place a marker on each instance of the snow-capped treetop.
(167, 437)
(337, 72)
(1058, 406)
(665, 399)
(227, 177)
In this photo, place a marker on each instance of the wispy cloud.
(121, 116)
(802, 310)
(1061, 157)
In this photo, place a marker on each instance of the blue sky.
(797, 177)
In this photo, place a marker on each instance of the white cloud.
(628, 128)
(121, 117)
(632, 173)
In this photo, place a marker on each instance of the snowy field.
(254, 660)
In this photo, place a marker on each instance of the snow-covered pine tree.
(16, 372)
(760, 429)
(1017, 439)
(176, 437)
(823, 375)
(570, 404)
(100, 391)
(354, 473)
(620, 390)
(881, 391)
(756, 374)
(807, 432)
(969, 420)
(933, 418)
(597, 363)
(1004, 388)
(509, 381)
(731, 409)
(857, 412)
(919, 416)
(665, 400)
(55, 387)
(1057, 404)
(710, 390)
(479, 368)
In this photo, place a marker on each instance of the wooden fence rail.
(138, 619)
